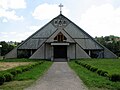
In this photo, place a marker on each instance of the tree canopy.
(111, 42)
(6, 47)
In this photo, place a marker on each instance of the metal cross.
(60, 8)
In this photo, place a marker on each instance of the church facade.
(60, 38)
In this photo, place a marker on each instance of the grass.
(35, 73)
(92, 80)
(20, 60)
(110, 65)
(8, 65)
(25, 79)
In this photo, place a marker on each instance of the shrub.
(24, 68)
(104, 73)
(33, 65)
(18, 70)
(8, 77)
(13, 72)
(84, 65)
(77, 62)
(88, 67)
(29, 67)
(2, 79)
(99, 72)
(93, 69)
(115, 77)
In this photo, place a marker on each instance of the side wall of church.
(48, 51)
(71, 51)
(80, 53)
(12, 54)
(109, 54)
(39, 54)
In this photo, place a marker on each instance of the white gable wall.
(39, 54)
(48, 51)
(12, 54)
(109, 54)
(80, 53)
(69, 39)
(71, 51)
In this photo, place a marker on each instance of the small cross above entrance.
(60, 8)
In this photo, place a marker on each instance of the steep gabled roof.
(70, 30)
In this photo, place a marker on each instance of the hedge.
(8, 75)
(113, 77)
(2, 79)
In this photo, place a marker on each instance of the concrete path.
(59, 77)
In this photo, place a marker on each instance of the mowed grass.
(20, 60)
(8, 65)
(25, 79)
(92, 80)
(112, 66)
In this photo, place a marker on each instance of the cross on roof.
(60, 8)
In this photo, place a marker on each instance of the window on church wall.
(64, 22)
(60, 38)
(60, 23)
(55, 22)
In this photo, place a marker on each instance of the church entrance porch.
(60, 52)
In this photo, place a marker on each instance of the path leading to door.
(59, 77)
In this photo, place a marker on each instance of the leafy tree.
(5, 48)
(111, 42)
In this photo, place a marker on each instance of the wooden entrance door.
(60, 51)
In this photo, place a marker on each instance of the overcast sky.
(21, 18)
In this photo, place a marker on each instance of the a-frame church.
(60, 38)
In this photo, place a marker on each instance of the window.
(55, 22)
(64, 22)
(60, 23)
(60, 37)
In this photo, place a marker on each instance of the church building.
(60, 38)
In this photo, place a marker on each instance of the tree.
(111, 42)
(5, 48)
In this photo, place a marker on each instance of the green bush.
(99, 72)
(24, 68)
(114, 77)
(104, 73)
(8, 77)
(2, 79)
(93, 69)
(88, 67)
(77, 62)
(13, 72)
(84, 65)
(18, 70)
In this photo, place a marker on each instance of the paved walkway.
(58, 77)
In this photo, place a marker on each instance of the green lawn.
(25, 79)
(92, 80)
(110, 65)
(20, 60)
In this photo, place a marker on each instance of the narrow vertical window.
(60, 37)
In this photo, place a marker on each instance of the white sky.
(21, 18)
